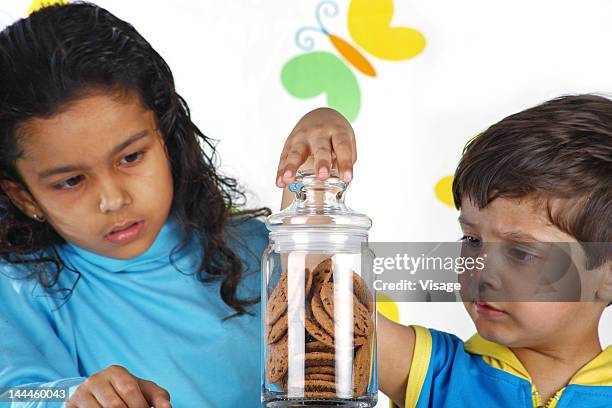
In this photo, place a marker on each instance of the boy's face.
(526, 323)
(98, 165)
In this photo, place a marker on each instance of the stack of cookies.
(320, 323)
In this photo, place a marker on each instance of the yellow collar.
(596, 372)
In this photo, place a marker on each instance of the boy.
(541, 175)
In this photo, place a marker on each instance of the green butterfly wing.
(314, 73)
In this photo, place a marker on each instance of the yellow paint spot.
(444, 191)
(387, 307)
(38, 4)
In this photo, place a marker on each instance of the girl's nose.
(113, 197)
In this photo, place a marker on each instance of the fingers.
(116, 387)
(354, 143)
(154, 394)
(129, 391)
(108, 397)
(282, 162)
(345, 154)
(322, 152)
(296, 153)
(82, 400)
(326, 136)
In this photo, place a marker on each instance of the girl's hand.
(323, 138)
(115, 387)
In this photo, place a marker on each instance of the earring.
(38, 218)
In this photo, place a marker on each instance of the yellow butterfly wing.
(369, 24)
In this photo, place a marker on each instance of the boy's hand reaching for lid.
(116, 387)
(322, 139)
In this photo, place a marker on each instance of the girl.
(124, 265)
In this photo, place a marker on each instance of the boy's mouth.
(487, 310)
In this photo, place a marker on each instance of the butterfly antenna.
(328, 9)
(306, 42)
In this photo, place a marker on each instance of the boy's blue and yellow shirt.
(446, 372)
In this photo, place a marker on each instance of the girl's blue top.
(149, 314)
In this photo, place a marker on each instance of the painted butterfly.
(315, 72)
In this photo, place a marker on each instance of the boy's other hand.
(116, 387)
(323, 139)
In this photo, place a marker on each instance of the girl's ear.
(22, 199)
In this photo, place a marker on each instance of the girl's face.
(96, 167)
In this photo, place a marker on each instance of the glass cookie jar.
(318, 313)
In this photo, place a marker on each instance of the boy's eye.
(521, 255)
(69, 183)
(132, 158)
(471, 241)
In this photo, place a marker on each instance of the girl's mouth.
(127, 234)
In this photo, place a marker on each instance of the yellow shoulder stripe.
(419, 366)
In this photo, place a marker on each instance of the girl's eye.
(132, 158)
(69, 183)
(471, 241)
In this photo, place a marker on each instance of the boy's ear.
(21, 198)
(605, 290)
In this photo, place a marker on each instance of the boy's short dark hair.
(561, 149)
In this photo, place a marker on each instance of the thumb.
(154, 394)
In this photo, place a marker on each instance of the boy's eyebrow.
(462, 220)
(519, 236)
(80, 167)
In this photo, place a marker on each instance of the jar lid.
(318, 204)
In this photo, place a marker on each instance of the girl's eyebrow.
(81, 167)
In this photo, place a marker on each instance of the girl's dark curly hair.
(49, 60)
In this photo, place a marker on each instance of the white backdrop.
(483, 61)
